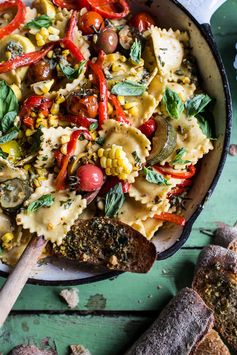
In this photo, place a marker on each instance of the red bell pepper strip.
(25, 59)
(71, 146)
(101, 58)
(68, 4)
(149, 127)
(170, 217)
(59, 157)
(79, 121)
(121, 117)
(68, 40)
(34, 102)
(17, 20)
(103, 103)
(167, 170)
(107, 8)
(29, 122)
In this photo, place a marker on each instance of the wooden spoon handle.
(19, 276)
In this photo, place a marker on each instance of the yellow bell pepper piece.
(12, 148)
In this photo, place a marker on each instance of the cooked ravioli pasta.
(107, 110)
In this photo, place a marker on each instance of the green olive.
(164, 141)
(107, 41)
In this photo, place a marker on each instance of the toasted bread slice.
(226, 236)
(216, 282)
(107, 242)
(179, 329)
(212, 345)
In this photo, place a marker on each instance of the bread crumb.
(79, 350)
(71, 297)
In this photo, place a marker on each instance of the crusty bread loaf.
(212, 344)
(31, 350)
(179, 329)
(107, 242)
(216, 282)
(226, 236)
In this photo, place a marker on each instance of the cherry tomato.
(90, 177)
(148, 128)
(142, 21)
(86, 106)
(89, 22)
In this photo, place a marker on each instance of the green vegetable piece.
(114, 200)
(70, 72)
(179, 157)
(9, 136)
(93, 126)
(8, 120)
(8, 104)
(43, 201)
(197, 104)
(205, 126)
(3, 154)
(15, 49)
(173, 103)
(136, 52)
(128, 88)
(41, 21)
(154, 178)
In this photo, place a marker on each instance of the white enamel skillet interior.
(193, 16)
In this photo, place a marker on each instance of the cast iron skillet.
(194, 16)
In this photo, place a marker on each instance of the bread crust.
(179, 329)
(226, 236)
(212, 345)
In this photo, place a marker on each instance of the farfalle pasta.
(95, 107)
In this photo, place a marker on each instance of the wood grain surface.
(112, 313)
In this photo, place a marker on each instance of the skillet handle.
(200, 10)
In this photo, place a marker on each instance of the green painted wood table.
(112, 313)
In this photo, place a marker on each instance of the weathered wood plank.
(101, 335)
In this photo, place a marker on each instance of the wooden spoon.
(20, 274)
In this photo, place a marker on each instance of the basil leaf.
(9, 136)
(205, 126)
(3, 154)
(154, 178)
(137, 159)
(100, 141)
(8, 120)
(39, 22)
(70, 72)
(197, 104)
(36, 139)
(128, 88)
(93, 126)
(179, 155)
(136, 52)
(8, 100)
(43, 201)
(114, 200)
(173, 103)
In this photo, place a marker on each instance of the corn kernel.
(29, 132)
(54, 109)
(44, 32)
(133, 111)
(118, 153)
(123, 59)
(41, 115)
(50, 54)
(36, 183)
(53, 30)
(65, 138)
(115, 163)
(128, 105)
(100, 152)
(27, 167)
(121, 100)
(108, 171)
(110, 109)
(60, 99)
(123, 176)
(63, 149)
(40, 43)
(116, 67)
(109, 163)
(103, 162)
(42, 178)
(53, 121)
(33, 114)
(8, 55)
(7, 237)
(65, 53)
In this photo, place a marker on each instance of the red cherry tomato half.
(89, 22)
(90, 177)
(142, 21)
(148, 128)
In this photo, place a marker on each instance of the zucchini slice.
(164, 141)
(13, 193)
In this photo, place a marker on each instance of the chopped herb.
(93, 126)
(67, 204)
(3, 154)
(179, 155)
(70, 72)
(154, 177)
(45, 158)
(15, 49)
(197, 104)
(9, 136)
(128, 88)
(43, 201)
(161, 61)
(100, 140)
(41, 21)
(114, 200)
(173, 103)
(36, 139)
(136, 52)
(136, 158)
